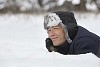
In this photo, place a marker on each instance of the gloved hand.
(49, 45)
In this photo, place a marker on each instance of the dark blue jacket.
(84, 42)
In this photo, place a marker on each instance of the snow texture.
(22, 43)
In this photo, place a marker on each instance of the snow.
(2, 4)
(25, 6)
(22, 43)
(60, 2)
(75, 2)
(92, 6)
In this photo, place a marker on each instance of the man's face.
(57, 35)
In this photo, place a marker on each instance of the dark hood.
(69, 21)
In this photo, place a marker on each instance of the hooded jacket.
(83, 42)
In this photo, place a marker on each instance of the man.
(66, 37)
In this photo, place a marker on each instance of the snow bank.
(22, 43)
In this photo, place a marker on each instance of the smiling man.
(66, 37)
(54, 34)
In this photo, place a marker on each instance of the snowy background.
(48, 5)
(22, 42)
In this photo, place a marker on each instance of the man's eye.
(49, 29)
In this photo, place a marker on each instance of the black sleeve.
(86, 45)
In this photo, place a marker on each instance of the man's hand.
(49, 45)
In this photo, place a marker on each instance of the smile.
(54, 38)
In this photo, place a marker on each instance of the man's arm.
(86, 45)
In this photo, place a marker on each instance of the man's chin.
(56, 44)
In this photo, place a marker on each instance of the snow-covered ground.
(22, 42)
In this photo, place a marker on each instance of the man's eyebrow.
(51, 27)
(55, 26)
